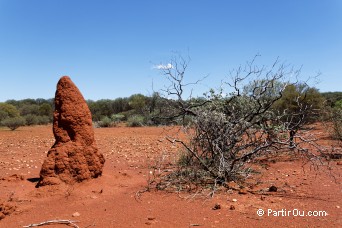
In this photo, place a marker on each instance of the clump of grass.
(106, 122)
(135, 121)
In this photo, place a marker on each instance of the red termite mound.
(74, 157)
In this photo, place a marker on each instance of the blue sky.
(109, 48)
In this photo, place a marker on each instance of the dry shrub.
(229, 132)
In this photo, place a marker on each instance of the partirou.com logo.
(293, 212)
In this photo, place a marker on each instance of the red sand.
(110, 201)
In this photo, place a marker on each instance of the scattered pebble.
(273, 189)
(217, 207)
(76, 214)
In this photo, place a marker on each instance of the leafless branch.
(66, 222)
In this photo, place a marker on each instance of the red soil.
(110, 200)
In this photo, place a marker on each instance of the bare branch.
(67, 222)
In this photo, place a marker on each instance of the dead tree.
(229, 131)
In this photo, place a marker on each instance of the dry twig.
(67, 222)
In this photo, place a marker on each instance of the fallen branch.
(67, 222)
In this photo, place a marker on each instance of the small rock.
(76, 214)
(151, 218)
(243, 191)
(217, 207)
(232, 207)
(263, 198)
(273, 189)
(339, 163)
(338, 207)
(234, 200)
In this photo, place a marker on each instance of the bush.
(117, 117)
(31, 119)
(14, 123)
(126, 114)
(135, 121)
(300, 103)
(105, 122)
(226, 133)
(335, 116)
(3, 115)
(8, 110)
(43, 120)
(338, 104)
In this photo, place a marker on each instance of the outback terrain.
(118, 199)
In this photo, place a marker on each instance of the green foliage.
(151, 108)
(135, 121)
(299, 102)
(137, 102)
(8, 110)
(120, 105)
(332, 97)
(3, 115)
(288, 100)
(338, 104)
(31, 119)
(102, 108)
(106, 107)
(14, 122)
(29, 109)
(45, 110)
(105, 122)
(43, 120)
(153, 101)
(127, 114)
(117, 117)
(335, 117)
(38, 111)
(121, 109)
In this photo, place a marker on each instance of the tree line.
(136, 110)
(141, 110)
